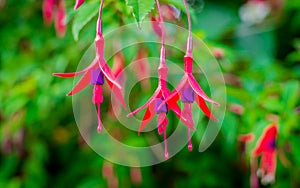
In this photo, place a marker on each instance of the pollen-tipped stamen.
(166, 145)
(99, 127)
(190, 145)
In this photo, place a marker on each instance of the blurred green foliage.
(41, 145)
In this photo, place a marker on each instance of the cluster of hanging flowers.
(187, 91)
(162, 101)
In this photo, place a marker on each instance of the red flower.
(266, 148)
(188, 86)
(154, 105)
(96, 72)
(95, 76)
(188, 90)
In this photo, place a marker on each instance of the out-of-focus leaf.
(295, 148)
(290, 94)
(87, 12)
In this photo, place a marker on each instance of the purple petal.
(163, 108)
(97, 77)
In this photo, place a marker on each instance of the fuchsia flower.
(95, 74)
(266, 148)
(56, 9)
(154, 104)
(78, 4)
(188, 87)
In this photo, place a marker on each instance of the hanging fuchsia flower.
(95, 74)
(188, 90)
(78, 4)
(154, 104)
(266, 148)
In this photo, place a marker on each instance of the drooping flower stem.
(163, 50)
(99, 21)
(190, 144)
(189, 47)
(166, 145)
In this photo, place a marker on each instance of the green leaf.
(140, 9)
(290, 94)
(87, 12)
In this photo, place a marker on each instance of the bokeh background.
(257, 44)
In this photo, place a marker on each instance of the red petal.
(107, 73)
(201, 103)
(268, 162)
(83, 82)
(72, 74)
(118, 92)
(269, 136)
(199, 90)
(147, 117)
(67, 75)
